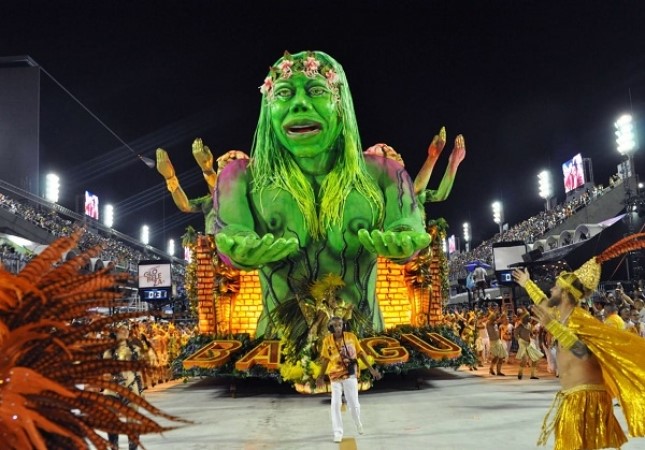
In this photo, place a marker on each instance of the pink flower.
(311, 66)
(267, 86)
(285, 68)
(332, 77)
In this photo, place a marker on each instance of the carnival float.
(310, 226)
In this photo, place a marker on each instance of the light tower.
(52, 187)
(145, 234)
(498, 216)
(467, 235)
(626, 146)
(108, 216)
(545, 188)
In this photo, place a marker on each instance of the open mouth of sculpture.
(303, 129)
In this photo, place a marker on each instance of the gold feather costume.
(45, 358)
(620, 354)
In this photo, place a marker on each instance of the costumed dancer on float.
(595, 362)
(308, 202)
(340, 352)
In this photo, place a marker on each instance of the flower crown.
(309, 65)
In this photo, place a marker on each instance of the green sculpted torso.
(339, 251)
(308, 203)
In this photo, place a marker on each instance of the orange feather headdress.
(45, 357)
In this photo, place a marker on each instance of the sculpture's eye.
(283, 92)
(317, 91)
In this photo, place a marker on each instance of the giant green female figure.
(309, 203)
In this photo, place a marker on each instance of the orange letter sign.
(266, 354)
(390, 353)
(444, 349)
(215, 354)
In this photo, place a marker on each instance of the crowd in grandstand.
(120, 253)
(528, 231)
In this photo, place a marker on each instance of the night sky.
(529, 84)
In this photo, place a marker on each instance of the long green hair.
(273, 166)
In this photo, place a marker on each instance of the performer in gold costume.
(124, 350)
(596, 362)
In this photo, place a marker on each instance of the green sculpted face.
(304, 115)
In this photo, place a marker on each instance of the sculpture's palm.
(394, 244)
(249, 250)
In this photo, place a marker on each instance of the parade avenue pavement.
(440, 409)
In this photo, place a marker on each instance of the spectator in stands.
(638, 306)
(622, 299)
(598, 309)
(638, 327)
(612, 318)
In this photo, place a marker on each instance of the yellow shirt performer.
(596, 362)
(339, 353)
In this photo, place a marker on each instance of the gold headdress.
(320, 287)
(587, 277)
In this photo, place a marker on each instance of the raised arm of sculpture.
(423, 194)
(204, 158)
(166, 169)
(434, 151)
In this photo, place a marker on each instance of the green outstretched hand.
(393, 244)
(248, 250)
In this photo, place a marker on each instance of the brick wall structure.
(205, 282)
(399, 302)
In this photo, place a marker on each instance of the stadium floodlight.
(625, 137)
(52, 187)
(145, 234)
(108, 216)
(171, 247)
(545, 186)
(498, 216)
(544, 182)
(467, 235)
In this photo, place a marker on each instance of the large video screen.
(154, 274)
(504, 255)
(573, 173)
(91, 205)
(452, 244)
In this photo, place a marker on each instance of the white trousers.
(350, 387)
